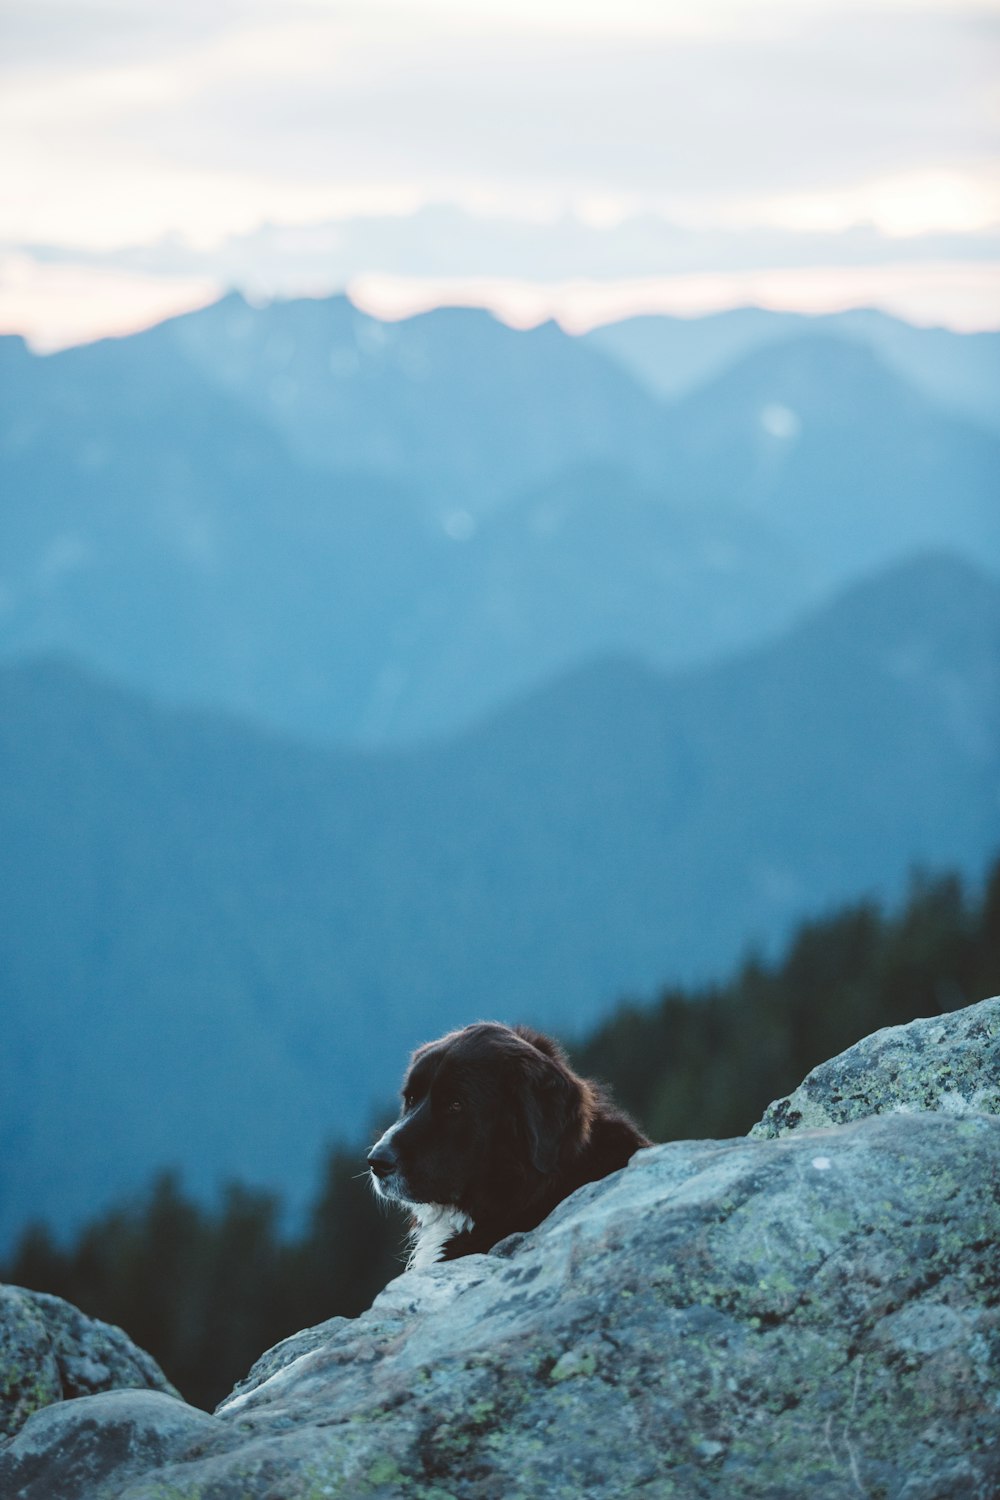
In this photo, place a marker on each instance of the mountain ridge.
(161, 526)
(675, 355)
(204, 927)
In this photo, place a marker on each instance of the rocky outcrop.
(814, 1314)
(86, 1449)
(949, 1063)
(49, 1351)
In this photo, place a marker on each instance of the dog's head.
(488, 1113)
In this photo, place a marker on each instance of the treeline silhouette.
(208, 1289)
(707, 1063)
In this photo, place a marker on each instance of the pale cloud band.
(153, 143)
(56, 304)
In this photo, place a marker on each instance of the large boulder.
(811, 1315)
(949, 1063)
(83, 1449)
(761, 1318)
(49, 1351)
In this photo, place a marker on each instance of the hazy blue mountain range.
(673, 355)
(218, 944)
(849, 465)
(376, 533)
(452, 402)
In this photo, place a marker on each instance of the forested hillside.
(206, 1291)
(217, 942)
(705, 1062)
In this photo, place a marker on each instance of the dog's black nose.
(382, 1160)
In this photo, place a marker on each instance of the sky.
(581, 160)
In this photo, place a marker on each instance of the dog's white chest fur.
(436, 1223)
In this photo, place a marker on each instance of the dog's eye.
(454, 1108)
(407, 1101)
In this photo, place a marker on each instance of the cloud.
(690, 120)
(153, 109)
(82, 33)
(442, 240)
(56, 302)
(295, 144)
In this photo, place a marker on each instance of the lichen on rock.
(50, 1351)
(769, 1318)
(948, 1063)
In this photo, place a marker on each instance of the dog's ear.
(551, 1108)
(542, 1043)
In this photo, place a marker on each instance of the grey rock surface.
(50, 1351)
(71, 1450)
(285, 1353)
(949, 1063)
(812, 1315)
(817, 1315)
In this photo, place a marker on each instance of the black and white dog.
(495, 1130)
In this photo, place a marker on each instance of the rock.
(814, 1314)
(811, 1315)
(284, 1354)
(49, 1351)
(68, 1451)
(949, 1063)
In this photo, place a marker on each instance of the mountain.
(452, 402)
(804, 466)
(172, 519)
(218, 945)
(674, 355)
(158, 529)
(850, 466)
(593, 564)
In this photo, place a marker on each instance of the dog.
(495, 1129)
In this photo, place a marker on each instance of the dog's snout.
(382, 1160)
